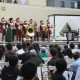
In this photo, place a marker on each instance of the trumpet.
(45, 72)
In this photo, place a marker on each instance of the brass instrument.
(31, 31)
(45, 72)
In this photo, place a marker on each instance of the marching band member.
(48, 29)
(18, 28)
(25, 25)
(30, 22)
(37, 31)
(21, 25)
(42, 30)
(12, 25)
(3, 27)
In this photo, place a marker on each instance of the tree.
(8, 36)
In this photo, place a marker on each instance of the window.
(62, 3)
(9, 1)
(78, 5)
(72, 4)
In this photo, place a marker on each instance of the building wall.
(32, 2)
(26, 12)
(57, 3)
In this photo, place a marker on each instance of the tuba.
(31, 31)
(45, 72)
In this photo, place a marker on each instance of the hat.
(3, 18)
(10, 19)
(43, 49)
(17, 18)
(30, 19)
(41, 21)
(25, 21)
(32, 52)
(35, 21)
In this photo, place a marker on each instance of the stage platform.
(60, 43)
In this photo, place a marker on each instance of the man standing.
(12, 27)
(25, 25)
(42, 30)
(30, 22)
(3, 26)
(18, 28)
(37, 31)
(48, 29)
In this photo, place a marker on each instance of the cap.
(41, 21)
(43, 49)
(47, 20)
(35, 21)
(30, 19)
(25, 21)
(3, 18)
(17, 18)
(10, 19)
(32, 52)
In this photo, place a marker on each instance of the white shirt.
(21, 51)
(22, 2)
(74, 50)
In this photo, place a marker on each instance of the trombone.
(45, 72)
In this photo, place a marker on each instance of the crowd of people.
(32, 56)
(19, 29)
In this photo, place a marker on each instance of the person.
(35, 47)
(43, 54)
(3, 27)
(1, 54)
(30, 48)
(36, 37)
(25, 25)
(72, 47)
(22, 2)
(42, 30)
(9, 52)
(15, 2)
(24, 57)
(50, 46)
(18, 28)
(30, 22)
(29, 71)
(3, 48)
(78, 50)
(20, 50)
(54, 58)
(27, 46)
(48, 29)
(64, 50)
(12, 25)
(68, 52)
(11, 72)
(74, 66)
(61, 66)
(35, 58)
(59, 55)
